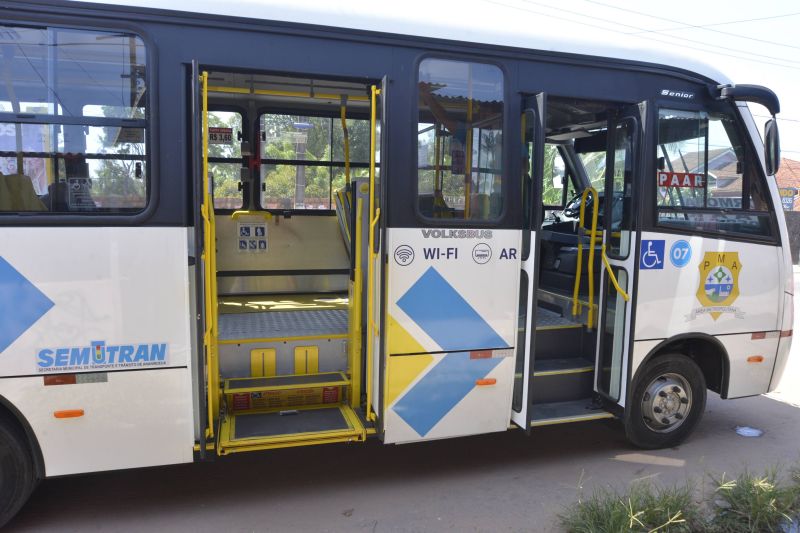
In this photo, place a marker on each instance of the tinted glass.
(706, 178)
(460, 140)
(89, 159)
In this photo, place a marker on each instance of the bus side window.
(460, 140)
(707, 179)
(225, 158)
(73, 137)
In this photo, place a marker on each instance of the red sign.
(681, 179)
(330, 394)
(241, 402)
(220, 135)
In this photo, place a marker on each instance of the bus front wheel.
(17, 475)
(669, 398)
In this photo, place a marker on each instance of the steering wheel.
(573, 207)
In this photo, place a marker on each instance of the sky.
(749, 42)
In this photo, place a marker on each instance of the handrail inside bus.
(248, 213)
(576, 304)
(289, 94)
(374, 92)
(611, 275)
(210, 270)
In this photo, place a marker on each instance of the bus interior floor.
(281, 302)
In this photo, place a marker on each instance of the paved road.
(503, 482)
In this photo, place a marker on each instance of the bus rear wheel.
(17, 475)
(669, 398)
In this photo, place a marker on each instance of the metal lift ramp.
(282, 411)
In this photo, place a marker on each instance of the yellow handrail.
(373, 220)
(289, 94)
(247, 213)
(210, 270)
(611, 275)
(576, 304)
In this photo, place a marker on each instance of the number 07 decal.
(680, 253)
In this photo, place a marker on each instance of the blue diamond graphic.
(21, 304)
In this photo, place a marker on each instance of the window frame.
(148, 123)
(751, 157)
(247, 128)
(501, 219)
(569, 181)
(332, 164)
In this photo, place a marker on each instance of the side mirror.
(772, 147)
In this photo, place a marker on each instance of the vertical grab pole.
(374, 215)
(590, 266)
(210, 261)
(576, 305)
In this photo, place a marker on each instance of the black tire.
(669, 397)
(17, 474)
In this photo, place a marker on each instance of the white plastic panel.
(119, 286)
(111, 305)
(451, 292)
(134, 419)
(749, 378)
(667, 298)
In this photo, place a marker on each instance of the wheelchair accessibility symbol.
(652, 257)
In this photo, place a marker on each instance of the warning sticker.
(284, 398)
(681, 179)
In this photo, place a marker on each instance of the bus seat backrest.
(17, 194)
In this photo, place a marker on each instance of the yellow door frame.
(209, 258)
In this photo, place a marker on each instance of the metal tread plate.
(282, 324)
(290, 381)
(262, 425)
(554, 295)
(571, 365)
(562, 412)
(546, 319)
(303, 426)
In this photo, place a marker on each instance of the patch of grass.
(643, 508)
(756, 503)
(749, 503)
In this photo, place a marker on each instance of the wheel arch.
(705, 350)
(14, 416)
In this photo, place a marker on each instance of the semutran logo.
(101, 356)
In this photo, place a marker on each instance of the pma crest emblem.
(719, 284)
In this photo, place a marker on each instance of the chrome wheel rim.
(666, 403)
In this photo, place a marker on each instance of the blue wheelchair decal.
(652, 257)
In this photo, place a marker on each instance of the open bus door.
(206, 271)
(452, 280)
(533, 130)
(623, 164)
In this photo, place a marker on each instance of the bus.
(225, 228)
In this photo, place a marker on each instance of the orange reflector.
(755, 359)
(60, 379)
(485, 381)
(480, 354)
(786, 333)
(758, 335)
(68, 413)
